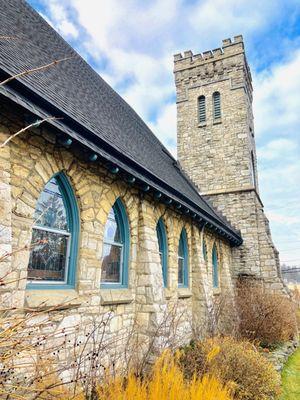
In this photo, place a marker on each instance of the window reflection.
(50, 209)
(112, 250)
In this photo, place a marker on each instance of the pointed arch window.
(54, 243)
(201, 109)
(183, 260)
(217, 105)
(215, 265)
(163, 249)
(114, 272)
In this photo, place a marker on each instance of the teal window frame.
(122, 221)
(70, 203)
(215, 265)
(163, 249)
(184, 245)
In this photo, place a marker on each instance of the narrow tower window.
(252, 168)
(201, 109)
(217, 105)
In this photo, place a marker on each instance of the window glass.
(113, 263)
(48, 257)
(162, 246)
(182, 261)
(50, 209)
(112, 230)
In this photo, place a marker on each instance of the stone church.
(96, 214)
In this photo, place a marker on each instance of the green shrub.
(235, 362)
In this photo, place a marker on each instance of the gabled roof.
(93, 113)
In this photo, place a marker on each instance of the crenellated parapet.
(229, 47)
(226, 62)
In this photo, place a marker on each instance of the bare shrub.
(230, 360)
(265, 316)
(219, 316)
(222, 317)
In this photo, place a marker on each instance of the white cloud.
(165, 127)
(219, 17)
(276, 98)
(60, 20)
(284, 219)
(277, 148)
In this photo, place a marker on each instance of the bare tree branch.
(32, 70)
(3, 37)
(33, 125)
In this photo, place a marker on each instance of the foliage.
(165, 382)
(291, 378)
(234, 361)
(265, 316)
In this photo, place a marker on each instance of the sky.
(131, 43)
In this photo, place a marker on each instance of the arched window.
(54, 243)
(114, 272)
(163, 249)
(201, 109)
(217, 105)
(215, 267)
(183, 260)
(204, 250)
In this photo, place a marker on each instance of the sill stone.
(184, 293)
(116, 296)
(53, 299)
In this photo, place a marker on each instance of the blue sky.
(131, 44)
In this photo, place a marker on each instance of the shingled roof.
(93, 113)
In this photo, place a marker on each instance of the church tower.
(216, 148)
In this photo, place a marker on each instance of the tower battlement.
(229, 48)
(226, 62)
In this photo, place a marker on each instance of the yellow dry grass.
(166, 382)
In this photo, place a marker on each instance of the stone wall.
(27, 164)
(220, 155)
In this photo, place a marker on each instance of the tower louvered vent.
(201, 109)
(217, 105)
